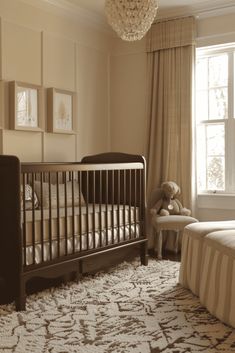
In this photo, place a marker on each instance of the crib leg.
(80, 268)
(20, 300)
(66, 278)
(143, 254)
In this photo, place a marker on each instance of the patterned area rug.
(129, 309)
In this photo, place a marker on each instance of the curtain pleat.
(169, 140)
(169, 147)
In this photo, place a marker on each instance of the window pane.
(215, 173)
(215, 140)
(202, 74)
(211, 156)
(201, 157)
(218, 103)
(202, 105)
(218, 71)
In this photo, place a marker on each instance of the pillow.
(46, 203)
(28, 197)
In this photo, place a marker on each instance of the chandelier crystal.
(131, 19)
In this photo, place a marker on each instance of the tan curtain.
(171, 55)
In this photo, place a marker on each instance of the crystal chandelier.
(131, 19)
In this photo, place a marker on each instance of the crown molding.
(89, 18)
(201, 10)
(73, 12)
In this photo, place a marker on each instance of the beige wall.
(43, 48)
(128, 96)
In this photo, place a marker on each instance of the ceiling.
(167, 8)
(92, 11)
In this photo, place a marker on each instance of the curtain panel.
(171, 56)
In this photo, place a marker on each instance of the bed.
(55, 215)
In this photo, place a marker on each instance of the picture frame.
(61, 111)
(26, 106)
(2, 103)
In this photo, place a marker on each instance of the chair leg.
(158, 244)
(177, 236)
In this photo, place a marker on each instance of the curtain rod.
(172, 19)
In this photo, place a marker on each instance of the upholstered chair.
(175, 223)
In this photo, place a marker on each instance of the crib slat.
(24, 219)
(33, 218)
(80, 210)
(73, 212)
(129, 206)
(124, 204)
(65, 213)
(42, 215)
(140, 199)
(58, 213)
(50, 216)
(93, 208)
(142, 214)
(135, 190)
(106, 204)
(118, 204)
(112, 210)
(87, 210)
(100, 208)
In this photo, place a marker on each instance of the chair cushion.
(173, 222)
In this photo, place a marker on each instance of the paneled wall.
(128, 96)
(43, 48)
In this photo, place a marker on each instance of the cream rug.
(130, 309)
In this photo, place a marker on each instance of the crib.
(55, 215)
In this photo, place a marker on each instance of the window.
(215, 123)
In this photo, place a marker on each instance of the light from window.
(215, 126)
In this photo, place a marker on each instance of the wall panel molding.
(21, 53)
(59, 63)
(0, 48)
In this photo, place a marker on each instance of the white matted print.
(25, 106)
(61, 111)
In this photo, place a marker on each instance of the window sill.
(216, 201)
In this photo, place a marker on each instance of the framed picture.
(26, 106)
(2, 103)
(60, 111)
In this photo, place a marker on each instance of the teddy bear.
(167, 203)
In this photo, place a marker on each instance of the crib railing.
(75, 209)
(55, 215)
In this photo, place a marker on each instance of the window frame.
(229, 122)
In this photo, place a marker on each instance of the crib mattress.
(93, 226)
(90, 219)
(92, 240)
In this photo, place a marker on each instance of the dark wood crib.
(55, 215)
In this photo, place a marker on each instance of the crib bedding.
(92, 240)
(81, 220)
